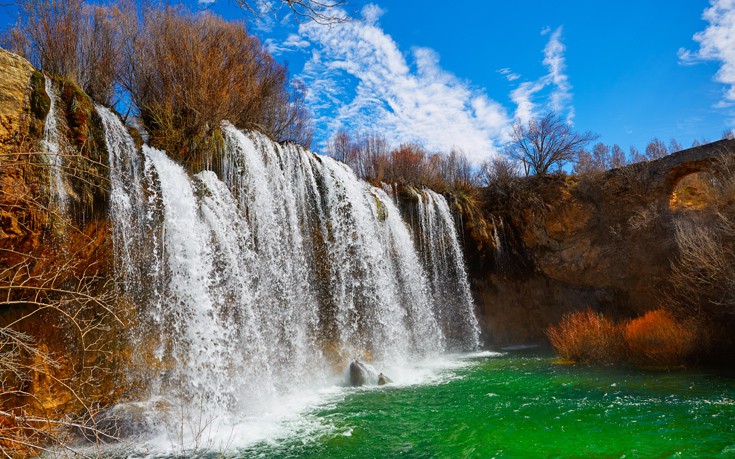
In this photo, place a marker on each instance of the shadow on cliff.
(560, 243)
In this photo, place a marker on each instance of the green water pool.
(520, 404)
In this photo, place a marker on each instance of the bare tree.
(455, 170)
(498, 170)
(656, 149)
(339, 147)
(187, 72)
(321, 12)
(584, 163)
(617, 157)
(545, 142)
(674, 146)
(600, 159)
(636, 156)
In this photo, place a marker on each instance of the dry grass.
(658, 340)
(587, 337)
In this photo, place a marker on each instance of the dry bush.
(188, 72)
(59, 320)
(498, 170)
(183, 73)
(409, 164)
(658, 340)
(703, 273)
(587, 337)
(74, 40)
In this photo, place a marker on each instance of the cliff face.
(562, 243)
(15, 82)
(53, 264)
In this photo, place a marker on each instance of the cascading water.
(52, 148)
(445, 263)
(273, 273)
(127, 203)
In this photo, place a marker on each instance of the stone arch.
(667, 173)
(693, 190)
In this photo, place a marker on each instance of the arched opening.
(693, 191)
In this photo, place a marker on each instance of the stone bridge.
(662, 175)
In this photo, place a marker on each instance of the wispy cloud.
(561, 95)
(553, 88)
(508, 74)
(717, 43)
(360, 69)
(360, 80)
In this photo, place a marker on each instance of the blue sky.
(447, 74)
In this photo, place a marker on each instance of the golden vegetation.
(587, 337)
(180, 73)
(60, 323)
(656, 340)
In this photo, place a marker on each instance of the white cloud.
(717, 43)
(508, 74)
(561, 95)
(360, 80)
(358, 68)
(523, 96)
(371, 13)
(554, 87)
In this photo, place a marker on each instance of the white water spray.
(53, 152)
(270, 278)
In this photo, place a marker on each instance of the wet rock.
(124, 420)
(359, 373)
(383, 380)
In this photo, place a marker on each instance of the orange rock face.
(565, 243)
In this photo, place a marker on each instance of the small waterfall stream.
(274, 272)
(52, 148)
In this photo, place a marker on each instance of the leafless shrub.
(188, 72)
(409, 164)
(499, 169)
(51, 383)
(703, 274)
(587, 337)
(644, 218)
(73, 40)
(658, 340)
(320, 12)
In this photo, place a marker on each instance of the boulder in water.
(122, 421)
(383, 380)
(358, 373)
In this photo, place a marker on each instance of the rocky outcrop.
(54, 269)
(15, 85)
(562, 243)
(359, 374)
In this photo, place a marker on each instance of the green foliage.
(40, 101)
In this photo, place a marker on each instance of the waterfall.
(127, 203)
(274, 271)
(445, 263)
(53, 153)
